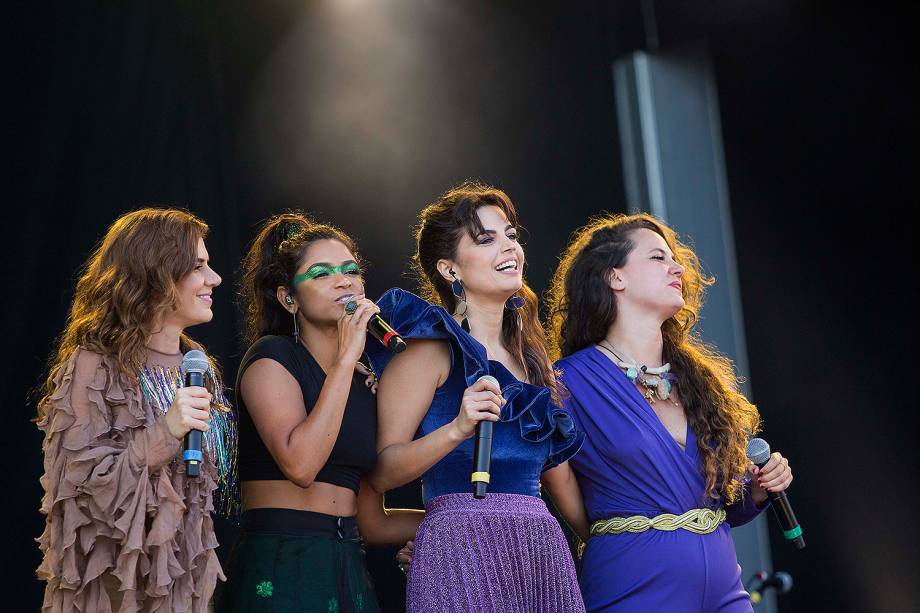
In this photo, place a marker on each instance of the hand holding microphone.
(375, 325)
(189, 412)
(482, 402)
(353, 325)
(775, 476)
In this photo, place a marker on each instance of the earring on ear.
(289, 300)
(516, 303)
(460, 294)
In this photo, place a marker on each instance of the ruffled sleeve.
(529, 405)
(120, 520)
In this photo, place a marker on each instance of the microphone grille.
(195, 361)
(758, 451)
(490, 379)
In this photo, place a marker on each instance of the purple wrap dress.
(631, 465)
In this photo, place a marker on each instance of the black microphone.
(380, 330)
(194, 365)
(758, 452)
(780, 581)
(482, 454)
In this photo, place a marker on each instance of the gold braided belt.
(698, 521)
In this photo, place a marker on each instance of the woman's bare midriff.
(319, 497)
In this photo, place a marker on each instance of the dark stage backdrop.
(360, 113)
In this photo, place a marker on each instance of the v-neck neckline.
(638, 397)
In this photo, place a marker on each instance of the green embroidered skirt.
(287, 561)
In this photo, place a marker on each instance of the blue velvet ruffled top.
(532, 434)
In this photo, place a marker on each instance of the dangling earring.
(457, 288)
(516, 303)
(289, 300)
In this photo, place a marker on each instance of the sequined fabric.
(159, 385)
(502, 554)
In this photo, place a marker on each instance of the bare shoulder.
(425, 358)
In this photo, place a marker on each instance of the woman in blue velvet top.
(504, 553)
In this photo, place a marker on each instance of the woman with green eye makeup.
(308, 425)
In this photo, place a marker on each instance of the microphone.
(194, 365)
(758, 452)
(482, 454)
(780, 581)
(380, 330)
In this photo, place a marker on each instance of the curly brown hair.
(441, 224)
(124, 287)
(582, 308)
(271, 262)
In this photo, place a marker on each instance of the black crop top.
(355, 451)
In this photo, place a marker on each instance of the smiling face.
(193, 304)
(650, 278)
(328, 277)
(491, 265)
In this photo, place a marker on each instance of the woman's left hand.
(371, 381)
(404, 557)
(775, 476)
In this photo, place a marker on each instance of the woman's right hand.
(353, 332)
(190, 410)
(481, 401)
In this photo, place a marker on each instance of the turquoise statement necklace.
(657, 381)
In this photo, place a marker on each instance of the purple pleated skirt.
(502, 554)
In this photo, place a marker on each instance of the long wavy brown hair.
(582, 307)
(272, 260)
(126, 285)
(441, 225)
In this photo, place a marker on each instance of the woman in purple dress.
(663, 469)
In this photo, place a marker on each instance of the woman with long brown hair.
(504, 552)
(663, 467)
(126, 529)
(308, 424)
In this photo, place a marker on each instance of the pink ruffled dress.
(125, 530)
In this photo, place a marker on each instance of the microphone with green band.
(758, 452)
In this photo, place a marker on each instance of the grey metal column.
(673, 167)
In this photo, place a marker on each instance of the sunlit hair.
(441, 226)
(125, 287)
(582, 307)
(274, 256)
